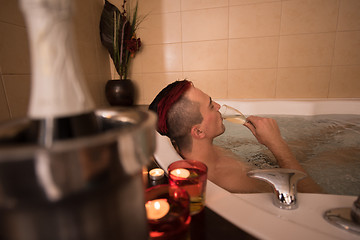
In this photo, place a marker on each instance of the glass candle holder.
(167, 210)
(190, 175)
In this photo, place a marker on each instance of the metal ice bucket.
(82, 181)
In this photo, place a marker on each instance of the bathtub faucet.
(284, 183)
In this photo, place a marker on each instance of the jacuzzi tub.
(255, 213)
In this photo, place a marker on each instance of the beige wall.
(228, 48)
(15, 66)
(251, 48)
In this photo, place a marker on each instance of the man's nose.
(217, 106)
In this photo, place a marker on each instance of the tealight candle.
(156, 174)
(180, 172)
(156, 209)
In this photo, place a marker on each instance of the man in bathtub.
(190, 118)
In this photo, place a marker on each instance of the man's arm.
(267, 133)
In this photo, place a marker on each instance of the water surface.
(327, 146)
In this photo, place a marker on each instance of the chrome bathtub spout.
(284, 183)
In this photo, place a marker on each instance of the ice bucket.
(77, 177)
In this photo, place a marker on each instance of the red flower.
(133, 45)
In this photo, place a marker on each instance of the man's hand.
(265, 130)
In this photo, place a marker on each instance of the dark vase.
(120, 92)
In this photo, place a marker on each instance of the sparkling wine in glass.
(232, 115)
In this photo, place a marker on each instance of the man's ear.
(196, 132)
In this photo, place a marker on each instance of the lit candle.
(156, 174)
(157, 208)
(180, 172)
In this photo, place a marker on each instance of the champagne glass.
(232, 115)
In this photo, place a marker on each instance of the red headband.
(164, 105)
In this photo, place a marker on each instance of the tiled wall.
(251, 48)
(228, 48)
(15, 66)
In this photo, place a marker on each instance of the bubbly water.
(327, 146)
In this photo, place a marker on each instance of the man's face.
(212, 124)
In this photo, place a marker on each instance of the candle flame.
(157, 205)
